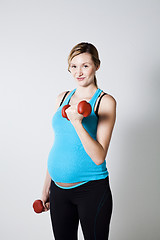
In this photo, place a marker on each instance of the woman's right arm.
(45, 191)
(47, 182)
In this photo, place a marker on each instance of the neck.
(85, 92)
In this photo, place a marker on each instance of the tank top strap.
(65, 102)
(94, 98)
(92, 101)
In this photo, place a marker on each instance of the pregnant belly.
(64, 166)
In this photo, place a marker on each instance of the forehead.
(81, 58)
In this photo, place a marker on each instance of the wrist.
(77, 123)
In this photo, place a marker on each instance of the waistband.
(77, 185)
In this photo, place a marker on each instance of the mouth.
(80, 79)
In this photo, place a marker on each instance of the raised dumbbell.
(63, 111)
(83, 108)
(38, 206)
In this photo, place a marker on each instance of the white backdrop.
(35, 40)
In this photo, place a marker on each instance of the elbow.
(102, 158)
(100, 162)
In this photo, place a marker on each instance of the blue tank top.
(68, 162)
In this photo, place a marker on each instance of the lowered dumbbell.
(38, 206)
(83, 108)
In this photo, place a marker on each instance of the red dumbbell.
(63, 111)
(38, 206)
(83, 108)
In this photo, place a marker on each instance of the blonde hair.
(82, 48)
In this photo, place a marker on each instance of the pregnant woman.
(76, 186)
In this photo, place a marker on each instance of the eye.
(85, 66)
(73, 66)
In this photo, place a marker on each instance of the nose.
(79, 71)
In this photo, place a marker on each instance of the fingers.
(48, 206)
(45, 206)
(72, 108)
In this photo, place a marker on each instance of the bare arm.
(47, 183)
(97, 149)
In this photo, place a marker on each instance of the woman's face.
(83, 69)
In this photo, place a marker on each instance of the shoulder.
(108, 104)
(109, 100)
(60, 97)
(62, 94)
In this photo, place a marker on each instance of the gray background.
(35, 40)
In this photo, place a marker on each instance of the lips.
(80, 79)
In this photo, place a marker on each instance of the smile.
(80, 79)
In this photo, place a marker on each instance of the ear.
(97, 67)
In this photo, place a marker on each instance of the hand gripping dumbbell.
(38, 206)
(83, 108)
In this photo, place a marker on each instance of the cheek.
(90, 72)
(73, 72)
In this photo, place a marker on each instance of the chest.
(74, 101)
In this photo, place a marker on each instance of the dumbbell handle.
(83, 108)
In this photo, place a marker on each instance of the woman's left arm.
(97, 149)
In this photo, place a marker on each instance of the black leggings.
(91, 203)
